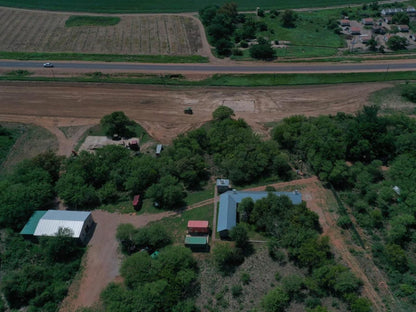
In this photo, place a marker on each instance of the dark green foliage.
(223, 47)
(400, 18)
(227, 258)
(409, 92)
(117, 123)
(167, 283)
(245, 208)
(152, 237)
(288, 19)
(168, 193)
(7, 140)
(240, 236)
(293, 285)
(277, 300)
(262, 51)
(84, 20)
(397, 43)
(397, 258)
(344, 222)
(245, 278)
(236, 291)
(222, 112)
(38, 276)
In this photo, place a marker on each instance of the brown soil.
(41, 31)
(160, 109)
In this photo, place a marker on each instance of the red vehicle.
(137, 202)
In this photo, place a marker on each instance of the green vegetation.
(380, 201)
(41, 56)
(126, 6)
(84, 20)
(118, 124)
(7, 139)
(409, 92)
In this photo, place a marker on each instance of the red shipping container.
(198, 226)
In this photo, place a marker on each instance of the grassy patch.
(177, 225)
(123, 6)
(84, 20)
(103, 57)
(196, 197)
(19, 73)
(390, 100)
(9, 134)
(32, 141)
(121, 207)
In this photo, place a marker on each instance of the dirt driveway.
(160, 109)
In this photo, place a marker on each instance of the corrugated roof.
(53, 220)
(227, 215)
(197, 224)
(31, 225)
(196, 240)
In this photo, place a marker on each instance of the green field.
(122, 6)
(75, 21)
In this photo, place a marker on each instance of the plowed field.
(36, 31)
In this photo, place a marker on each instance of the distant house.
(411, 10)
(48, 223)
(364, 38)
(391, 11)
(227, 215)
(345, 22)
(379, 30)
(355, 30)
(368, 21)
(403, 28)
(223, 185)
(159, 149)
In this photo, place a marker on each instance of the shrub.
(409, 92)
(237, 52)
(223, 47)
(397, 43)
(236, 290)
(245, 278)
(344, 222)
(262, 52)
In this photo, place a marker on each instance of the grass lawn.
(8, 136)
(390, 100)
(82, 20)
(177, 225)
(123, 6)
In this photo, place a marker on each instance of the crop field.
(22, 31)
(124, 6)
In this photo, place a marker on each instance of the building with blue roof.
(227, 215)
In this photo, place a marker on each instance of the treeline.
(113, 173)
(166, 281)
(349, 152)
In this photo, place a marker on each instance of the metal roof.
(53, 220)
(223, 182)
(31, 225)
(197, 224)
(196, 240)
(227, 216)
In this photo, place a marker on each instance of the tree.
(240, 236)
(227, 258)
(397, 43)
(117, 123)
(168, 193)
(288, 19)
(262, 52)
(245, 208)
(276, 300)
(62, 247)
(222, 112)
(137, 270)
(400, 18)
(223, 47)
(372, 44)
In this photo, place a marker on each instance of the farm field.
(23, 31)
(123, 6)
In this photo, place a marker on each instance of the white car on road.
(48, 65)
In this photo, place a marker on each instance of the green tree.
(276, 300)
(240, 236)
(397, 43)
(245, 208)
(396, 257)
(117, 123)
(288, 19)
(372, 44)
(400, 18)
(168, 193)
(223, 47)
(222, 112)
(262, 52)
(227, 258)
(137, 270)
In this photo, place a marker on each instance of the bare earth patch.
(160, 109)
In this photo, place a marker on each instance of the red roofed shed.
(137, 202)
(197, 226)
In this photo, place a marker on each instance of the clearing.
(37, 31)
(159, 110)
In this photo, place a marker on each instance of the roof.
(345, 21)
(159, 148)
(31, 225)
(355, 29)
(403, 27)
(196, 240)
(197, 224)
(53, 220)
(227, 216)
(223, 182)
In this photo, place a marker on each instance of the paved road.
(408, 65)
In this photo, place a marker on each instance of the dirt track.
(160, 109)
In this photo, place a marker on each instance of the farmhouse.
(355, 30)
(48, 223)
(345, 22)
(227, 216)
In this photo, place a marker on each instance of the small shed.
(223, 185)
(159, 149)
(137, 202)
(196, 227)
(197, 243)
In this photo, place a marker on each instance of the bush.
(227, 258)
(117, 123)
(276, 300)
(397, 43)
(288, 19)
(236, 290)
(245, 278)
(409, 92)
(223, 47)
(344, 222)
(239, 235)
(262, 52)
(237, 52)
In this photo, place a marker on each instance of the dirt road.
(160, 109)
